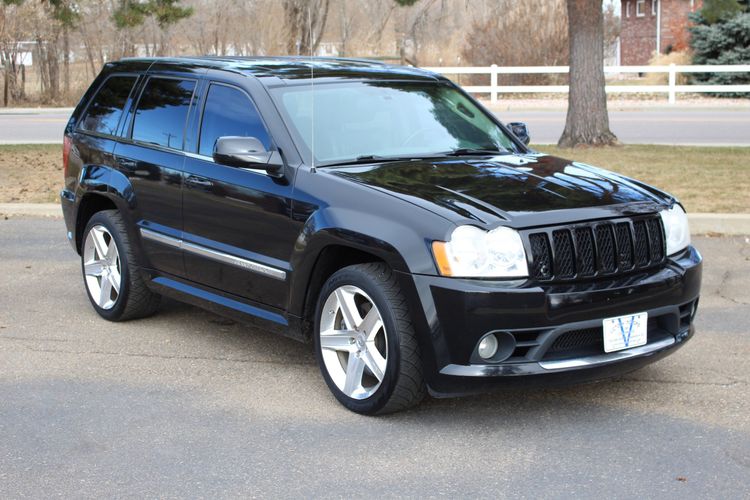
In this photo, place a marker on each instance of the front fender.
(399, 246)
(395, 244)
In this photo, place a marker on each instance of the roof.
(296, 67)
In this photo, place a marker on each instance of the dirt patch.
(30, 173)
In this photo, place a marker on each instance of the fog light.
(487, 346)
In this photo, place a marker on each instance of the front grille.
(608, 248)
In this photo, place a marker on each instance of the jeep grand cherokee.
(377, 211)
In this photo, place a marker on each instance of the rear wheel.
(110, 272)
(365, 342)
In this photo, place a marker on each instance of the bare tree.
(413, 23)
(529, 33)
(14, 21)
(306, 23)
(587, 122)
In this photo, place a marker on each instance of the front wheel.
(365, 342)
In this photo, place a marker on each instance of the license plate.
(625, 332)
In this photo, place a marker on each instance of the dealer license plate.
(625, 332)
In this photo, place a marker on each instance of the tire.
(393, 344)
(132, 298)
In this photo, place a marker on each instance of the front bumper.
(556, 329)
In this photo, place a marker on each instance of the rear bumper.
(69, 208)
(538, 319)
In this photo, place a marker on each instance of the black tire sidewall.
(104, 218)
(352, 276)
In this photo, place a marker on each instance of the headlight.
(676, 228)
(475, 253)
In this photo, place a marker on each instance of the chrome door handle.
(198, 182)
(127, 163)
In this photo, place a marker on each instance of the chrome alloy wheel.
(353, 342)
(101, 267)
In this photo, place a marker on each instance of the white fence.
(672, 89)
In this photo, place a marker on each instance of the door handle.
(127, 163)
(198, 182)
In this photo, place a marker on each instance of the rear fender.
(103, 181)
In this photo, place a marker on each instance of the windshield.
(385, 119)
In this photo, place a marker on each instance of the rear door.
(152, 158)
(238, 230)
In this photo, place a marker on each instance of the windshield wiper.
(474, 151)
(374, 159)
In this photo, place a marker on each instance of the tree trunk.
(306, 23)
(66, 61)
(587, 123)
(22, 92)
(54, 72)
(293, 18)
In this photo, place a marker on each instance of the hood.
(525, 190)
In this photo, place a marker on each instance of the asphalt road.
(187, 404)
(683, 125)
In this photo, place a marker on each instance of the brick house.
(651, 26)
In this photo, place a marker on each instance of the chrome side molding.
(233, 260)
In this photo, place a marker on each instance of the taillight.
(67, 144)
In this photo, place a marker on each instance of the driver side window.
(229, 112)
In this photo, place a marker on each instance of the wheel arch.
(90, 204)
(101, 188)
(329, 260)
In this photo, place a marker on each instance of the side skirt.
(236, 308)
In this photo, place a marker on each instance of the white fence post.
(672, 83)
(493, 83)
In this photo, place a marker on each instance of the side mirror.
(247, 152)
(521, 131)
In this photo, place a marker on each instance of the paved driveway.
(187, 404)
(682, 125)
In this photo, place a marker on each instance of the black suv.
(377, 211)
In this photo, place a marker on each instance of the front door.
(238, 232)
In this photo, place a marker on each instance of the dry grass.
(705, 179)
(30, 173)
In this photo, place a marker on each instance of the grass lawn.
(705, 179)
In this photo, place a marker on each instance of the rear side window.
(105, 110)
(229, 112)
(162, 111)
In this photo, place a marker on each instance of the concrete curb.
(728, 224)
(31, 210)
(33, 111)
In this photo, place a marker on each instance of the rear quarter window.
(162, 112)
(103, 114)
